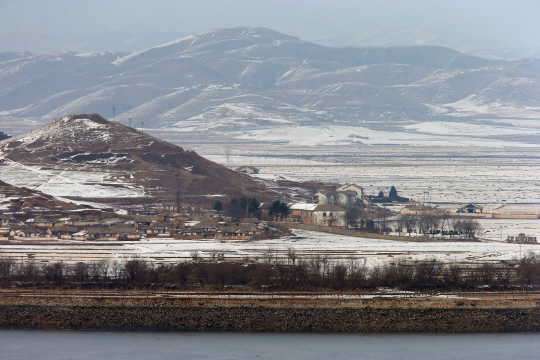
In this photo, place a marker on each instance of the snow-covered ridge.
(205, 38)
(59, 130)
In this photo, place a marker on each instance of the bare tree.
(81, 272)
(427, 272)
(135, 269)
(444, 219)
(409, 221)
(116, 268)
(471, 228)
(457, 226)
(453, 275)
(502, 274)
(7, 267)
(194, 255)
(291, 255)
(228, 152)
(99, 270)
(54, 272)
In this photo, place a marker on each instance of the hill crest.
(89, 144)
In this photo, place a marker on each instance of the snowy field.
(456, 180)
(442, 182)
(495, 229)
(88, 184)
(445, 176)
(425, 134)
(307, 244)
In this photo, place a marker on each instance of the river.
(135, 345)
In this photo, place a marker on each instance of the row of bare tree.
(428, 224)
(271, 272)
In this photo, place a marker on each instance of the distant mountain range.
(237, 79)
(414, 37)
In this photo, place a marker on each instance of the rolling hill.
(88, 157)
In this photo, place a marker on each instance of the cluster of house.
(521, 239)
(348, 194)
(72, 227)
(325, 210)
(318, 214)
(170, 222)
(468, 210)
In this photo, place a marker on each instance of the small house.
(319, 214)
(250, 170)
(358, 190)
(470, 209)
(346, 197)
(325, 197)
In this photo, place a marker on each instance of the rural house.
(358, 190)
(319, 214)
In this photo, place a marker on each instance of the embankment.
(438, 316)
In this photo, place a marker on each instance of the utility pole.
(113, 112)
(142, 126)
(129, 122)
(178, 191)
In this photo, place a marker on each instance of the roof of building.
(303, 206)
(347, 185)
(470, 206)
(326, 207)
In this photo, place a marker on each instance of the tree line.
(383, 221)
(272, 272)
(4, 136)
(250, 207)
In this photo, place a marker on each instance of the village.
(328, 207)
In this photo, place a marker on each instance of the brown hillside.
(88, 142)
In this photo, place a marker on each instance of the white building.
(352, 187)
(317, 214)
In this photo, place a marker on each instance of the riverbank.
(272, 315)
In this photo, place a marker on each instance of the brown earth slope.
(88, 142)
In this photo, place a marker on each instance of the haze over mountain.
(87, 156)
(236, 79)
(489, 49)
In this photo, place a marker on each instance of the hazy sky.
(515, 22)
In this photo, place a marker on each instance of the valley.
(445, 128)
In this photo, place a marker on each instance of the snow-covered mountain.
(239, 79)
(87, 156)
